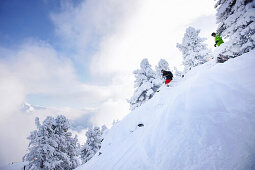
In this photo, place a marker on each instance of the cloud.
(37, 65)
(85, 25)
(36, 68)
(152, 33)
(14, 130)
(40, 70)
(122, 33)
(110, 109)
(12, 93)
(33, 67)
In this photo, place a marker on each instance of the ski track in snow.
(204, 121)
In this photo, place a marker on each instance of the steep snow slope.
(205, 121)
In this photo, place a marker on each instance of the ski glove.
(214, 45)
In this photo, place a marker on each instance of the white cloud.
(40, 69)
(124, 32)
(84, 25)
(14, 130)
(110, 109)
(12, 93)
(153, 33)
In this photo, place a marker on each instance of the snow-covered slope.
(205, 121)
(14, 166)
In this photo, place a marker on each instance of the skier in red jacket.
(168, 75)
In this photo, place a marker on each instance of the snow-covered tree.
(52, 146)
(193, 48)
(177, 73)
(67, 144)
(92, 145)
(104, 129)
(146, 84)
(236, 21)
(162, 64)
(115, 122)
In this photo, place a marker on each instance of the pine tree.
(67, 144)
(92, 145)
(115, 122)
(146, 85)
(104, 129)
(177, 73)
(236, 21)
(51, 145)
(162, 64)
(193, 48)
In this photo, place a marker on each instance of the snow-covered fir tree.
(162, 64)
(177, 73)
(92, 145)
(193, 48)
(104, 129)
(236, 21)
(115, 122)
(67, 144)
(146, 84)
(52, 146)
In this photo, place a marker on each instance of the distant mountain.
(79, 118)
(28, 108)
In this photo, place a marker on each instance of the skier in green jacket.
(218, 42)
(218, 39)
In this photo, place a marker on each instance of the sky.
(76, 57)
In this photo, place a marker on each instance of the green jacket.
(218, 40)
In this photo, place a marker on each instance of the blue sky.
(30, 19)
(21, 20)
